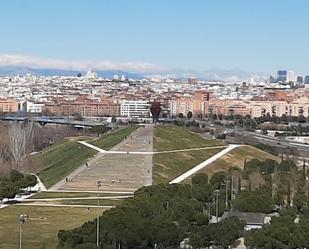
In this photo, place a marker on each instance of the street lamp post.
(227, 181)
(99, 184)
(217, 192)
(22, 219)
(208, 205)
(232, 191)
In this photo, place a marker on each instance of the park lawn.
(81, 138)
(108, 141)
(47, 195)
(168, 166)
(171, 165)
(103, 202)
(236, 158)
(91, 202)
(40, 231)
(61, 161)
(171, 137)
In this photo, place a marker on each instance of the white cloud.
(82, 65)
(147, 69)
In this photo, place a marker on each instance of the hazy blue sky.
(253, 35)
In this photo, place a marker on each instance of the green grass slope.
(236, 158)
(108, 141)
(171, 137)
(60, 160)
(169, 166)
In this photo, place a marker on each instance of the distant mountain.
(23, 70)
(234, 75)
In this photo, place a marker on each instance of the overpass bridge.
(55, 120)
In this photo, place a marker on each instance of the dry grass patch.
(236, 158)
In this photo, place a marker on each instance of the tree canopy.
(14, 182)
(161, 214)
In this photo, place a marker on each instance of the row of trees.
(19, 139)
(261, 187)
(285, 232)
(258, 120)
(273, 185)
(158, 216)
(13, 184)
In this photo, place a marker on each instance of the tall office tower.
(192, 80)
(306, 79)
(282, 76)
(272, 79)
(300, 79)
(291, 76)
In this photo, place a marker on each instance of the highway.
(278, 142)
(53, 120)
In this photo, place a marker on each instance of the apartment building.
(34, 107)
(9, 106)
(197, 103)
(134, 108)
(93, 109)
(259, 108)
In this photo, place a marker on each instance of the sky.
(251, 35)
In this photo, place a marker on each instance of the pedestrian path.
(204, 164)
(126, 168)
(18, 198)
(63, 205)
(77, 198)
(147, 152)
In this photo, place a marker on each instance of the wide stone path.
(118, 172)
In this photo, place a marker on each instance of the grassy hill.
(60, 160)
(236, 158)
(40, 231)
(108, 141)
(171, 137)
(168, 166)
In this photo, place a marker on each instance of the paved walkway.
(89, 191)
(147, 152)
(119, 172)
(241, 244)
(77, 198)
(62, 205)
(38, 187)
(204, 164)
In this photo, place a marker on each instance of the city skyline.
(256, 36)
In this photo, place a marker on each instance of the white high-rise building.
(134, 108)
(291, 77)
